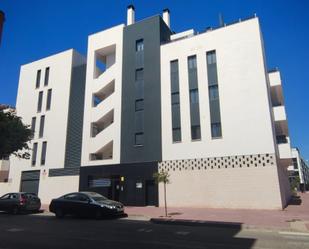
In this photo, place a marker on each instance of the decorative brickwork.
(242, 161)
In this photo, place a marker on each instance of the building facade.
(202, 106)
(50, 100)
(299, 171)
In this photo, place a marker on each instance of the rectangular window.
(139, 104)
(46, 76)
(216, 130)
(40, 100)
(176, 134)
(49, 96)
(38, 79)
(295, 164)
(43, 153)
(192, 62)
(213, 92)
(175, 98)
(34, 152)
(33, 121)
(139, 45)
(194, 96)
(139, 138)
(211, 57)
(175, 101)
(139, 74)
(195, 132)
(42, 122)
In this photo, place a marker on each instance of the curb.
(235, 225)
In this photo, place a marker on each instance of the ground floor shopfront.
(132, 184)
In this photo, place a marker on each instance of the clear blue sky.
(38, 28)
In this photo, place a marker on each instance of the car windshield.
(97, 197)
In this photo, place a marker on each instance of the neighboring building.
(201, 106)
(2, 19)
(299, 171)
(50, 99)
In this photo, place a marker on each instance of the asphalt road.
(45, 231)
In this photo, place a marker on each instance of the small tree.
(162, 176)
(14, 135)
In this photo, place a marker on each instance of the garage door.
(30, 181)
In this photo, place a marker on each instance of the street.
(45, 231)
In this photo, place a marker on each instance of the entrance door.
(150, 193)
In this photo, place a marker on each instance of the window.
(192, 62)
(295, 164)
(211, 57)
(213, 92)
(281, 139)
(42, 122)
(139, 74)
(176, 134)
(175, 98)
(216, 130)
(140, 45)
(38, 79)
(139, 138)
(43, 153)
(49, 96)
(195, 132)
(34, 152)
(40, 99)
(139, 104)
(33, 121)
(194, 96)
(46, 76)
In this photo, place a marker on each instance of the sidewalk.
(294, 218)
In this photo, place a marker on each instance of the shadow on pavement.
(39, 229)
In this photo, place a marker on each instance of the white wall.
(102, 40)
(245, 111)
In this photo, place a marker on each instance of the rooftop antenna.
(221, 21)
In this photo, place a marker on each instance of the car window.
(71, 197)
(81, 197)
(13, 196)
(7, 196)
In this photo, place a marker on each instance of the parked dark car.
(85, 204)
(20, 202)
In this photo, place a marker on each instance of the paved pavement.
(44, 231)
(295, 217)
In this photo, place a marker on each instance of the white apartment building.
(201, 106)
(50, 100)
(299, 171)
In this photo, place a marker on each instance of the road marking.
(294, 233)
(13, 230)
(144, 230)
(182, 233)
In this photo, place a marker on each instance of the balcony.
(100, 125)
(104, 59)
(105, 153)
(103, 93)
(279, 113)
(285, 151)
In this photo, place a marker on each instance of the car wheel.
(59, 213)
(98, 214)
(15, 210)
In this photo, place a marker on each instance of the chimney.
(166, 17)
(130, 14)
(221, 20)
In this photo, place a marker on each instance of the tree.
(14, 135)
(162, 176)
